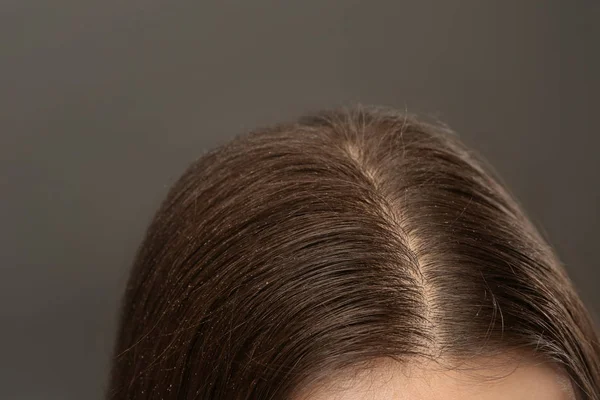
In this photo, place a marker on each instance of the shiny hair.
(305, 248)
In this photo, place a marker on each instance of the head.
(352, 254)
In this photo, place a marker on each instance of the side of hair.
(305, 248)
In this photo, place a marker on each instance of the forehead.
(481, 380)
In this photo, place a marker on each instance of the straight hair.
(295, 251)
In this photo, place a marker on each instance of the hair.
(350, 235)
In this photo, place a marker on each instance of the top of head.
(306, 248)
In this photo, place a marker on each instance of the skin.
(481, 379)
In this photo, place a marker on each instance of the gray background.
(103, 104)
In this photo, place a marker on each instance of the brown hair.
(347, 236)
